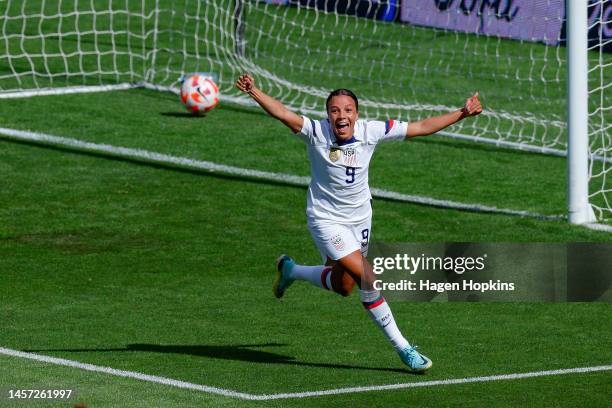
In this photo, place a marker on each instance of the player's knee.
(342, 282)
(346, 288)
(344, 292)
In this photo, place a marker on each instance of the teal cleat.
(284, 265)
(417, 362)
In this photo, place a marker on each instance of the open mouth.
(342, 125)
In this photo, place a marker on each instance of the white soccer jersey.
(339, 189)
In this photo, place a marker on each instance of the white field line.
(599, 227)
(184, 162)
(123, 373)
(68, 90)
(267, 397)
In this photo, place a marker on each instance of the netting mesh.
(64, 43)
(600, 110)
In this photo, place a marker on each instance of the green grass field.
(168, 272)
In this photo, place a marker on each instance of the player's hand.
(245, 83)
(472, 106)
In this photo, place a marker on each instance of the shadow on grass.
(247, 110)
(241, 352)
(187, 115)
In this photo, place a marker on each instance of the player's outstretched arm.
(276, 109)
(431, 125)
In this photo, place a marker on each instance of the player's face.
(342, 114)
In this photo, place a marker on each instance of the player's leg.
(289, 271)
(342, 283)
(358, 267)
(360, 270)
(329, 276)
(325, 276)
(333, 242)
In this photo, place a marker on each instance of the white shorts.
(336, 241)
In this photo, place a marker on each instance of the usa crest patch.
(334, 154)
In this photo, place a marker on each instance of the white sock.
(380, 312)
(319, 276)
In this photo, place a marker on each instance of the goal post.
(579, 209)
(406, 59)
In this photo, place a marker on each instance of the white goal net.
(428, 60)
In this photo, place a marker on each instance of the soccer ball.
(199, 93)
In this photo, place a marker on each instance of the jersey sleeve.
(388, 130)
(395, 130)
(311, 131)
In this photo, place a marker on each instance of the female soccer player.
(339, 208)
